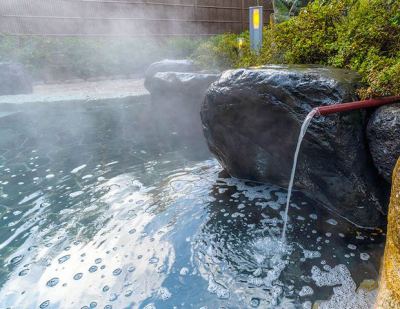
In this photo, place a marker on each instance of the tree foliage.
(362, 35)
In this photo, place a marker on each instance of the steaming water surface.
(111, 206)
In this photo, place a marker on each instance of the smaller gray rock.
(383, 133)
(192, 84)
(14, 79)
(168, 65)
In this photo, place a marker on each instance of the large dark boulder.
(14, 79)
(383, 133)
(252, 118)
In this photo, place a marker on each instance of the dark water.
(109, 206)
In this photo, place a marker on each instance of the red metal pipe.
(344, 107)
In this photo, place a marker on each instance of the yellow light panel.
(256, 19)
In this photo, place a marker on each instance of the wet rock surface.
(252, 119)
(167, 65)
(14, 79)
(177, 91)
(383, 133)
(190, 84)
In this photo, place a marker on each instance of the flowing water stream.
(303, 131)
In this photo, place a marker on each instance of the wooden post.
(243, 16)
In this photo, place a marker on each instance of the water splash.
(303, 131)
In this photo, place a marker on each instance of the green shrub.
(53, 59)
(362, 35)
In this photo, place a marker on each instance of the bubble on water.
(306, 291)
(113, 297)
(153, 260)
(117, 272)
(150, 306)
(128, 293)
(241, 206)
(313, 216)
(23, 272)
(92, 269)
(16, 260)
(106, 288)
(132, 231)
(131, 269)
(364, 256)
(64, 258)
(184, 271)
(93, 304)
(78, 276)
(45, 304)
(77, 169)
(75, 194)
(107, 307)
(255, 302)
(50, 176)
(352, 247)
(98, 260)
(331, 222)
(53, 282)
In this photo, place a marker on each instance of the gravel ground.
(94, 88)
(83, 90)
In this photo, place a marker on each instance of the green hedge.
(53, 59)
(362, 35)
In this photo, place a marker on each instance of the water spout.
(327, 110)
(303, 131)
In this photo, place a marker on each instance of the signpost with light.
(256, 28)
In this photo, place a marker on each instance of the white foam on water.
(306, 291)
(75, 194)
(184, 271)
(163, 293)
(352, 247)
(345, 293)
(331, 221)
(77, 169)
(217, 288)
(308, 254)
(364, 256)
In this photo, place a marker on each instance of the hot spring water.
(303, 131)
(109, 205)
